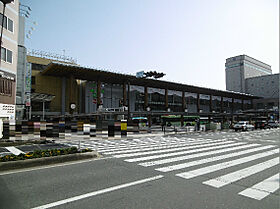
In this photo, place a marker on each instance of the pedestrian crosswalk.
(189, 158)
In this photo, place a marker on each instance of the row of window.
(8, 23)
(6, 87)
(6, 55)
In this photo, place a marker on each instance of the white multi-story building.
(8, 64)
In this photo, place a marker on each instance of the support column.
(232, 110)
(127, 103)
(125, 94)
(232, 105)
(222, 104)
(198, 103)
(243, 107)
(183, 101)
(183, 108)
(210, 104)
(80, 97)
(146, 97)
(98, 93)
(63, 94)
(166, 99)
(72, 95)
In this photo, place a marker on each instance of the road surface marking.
(102, 191)
(220, 166)
(186, 146)
(213, 146)
(50, 166)
(14, 150)
(179, 166)
(262, 189)
(109, 150)
(171, 145)
(240, 174)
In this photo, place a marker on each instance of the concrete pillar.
(146, 97)
(198, 103)
(210, 104)
(243, 107)
(222, 104)
(63, 94)
(183, 101)
(125, 94)
(232, 106)
(166, 99)
(128, 100)
(80, 97)
(98, 93)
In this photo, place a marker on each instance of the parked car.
(261, 124)
(243, 126)
(273, 124)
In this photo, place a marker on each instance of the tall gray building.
(241, 67)
(266, 86)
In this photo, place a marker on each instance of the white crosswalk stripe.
(180, 153)
(262, 189)
(154, 147)
(203, 161)
(187, 146)
(240, 174)
(199, 156)
(220, 166)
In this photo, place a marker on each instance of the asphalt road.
(218, 170)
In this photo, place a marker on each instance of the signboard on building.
(7, 111)
(140, 74)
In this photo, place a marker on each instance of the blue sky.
(188, 40)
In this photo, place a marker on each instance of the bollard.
(6, 129)
(92, 132)
(111, 128)
(43, 130)
(123, 128)
(117, 129)
(12, 129)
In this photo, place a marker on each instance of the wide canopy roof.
(90, 74)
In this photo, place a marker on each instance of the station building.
(83, 91)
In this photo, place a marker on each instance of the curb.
(4, 166)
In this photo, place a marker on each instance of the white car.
(243, 126)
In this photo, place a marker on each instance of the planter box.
(11, 165)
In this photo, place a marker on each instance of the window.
(8, 23)
(6, 55)
(9, 56)
(3, 54)
(33, 80)
(5, 87)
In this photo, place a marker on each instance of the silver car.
(243, 126)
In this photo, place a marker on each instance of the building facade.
(248, 75)
(266, 86)
(241, 67)
(8, 65)
(90, 90)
